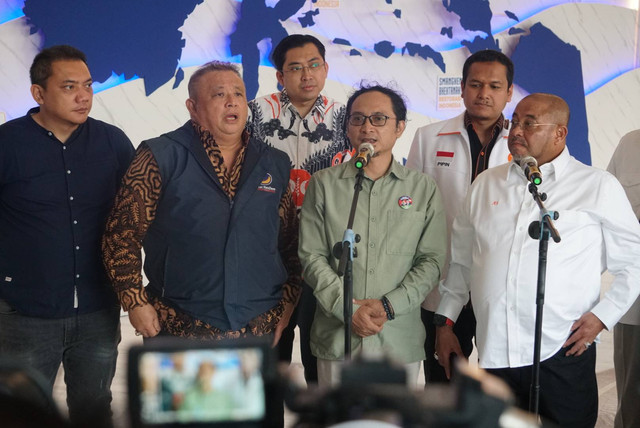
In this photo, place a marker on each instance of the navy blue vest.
(214, 258)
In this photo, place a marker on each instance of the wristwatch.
(440, 321)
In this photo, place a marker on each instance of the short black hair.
(488, 55)
(292, 41)
(397, 101)
(41, 68)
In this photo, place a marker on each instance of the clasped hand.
(369, 318)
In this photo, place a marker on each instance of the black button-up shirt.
(54, 200)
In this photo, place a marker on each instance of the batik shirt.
(314, 142)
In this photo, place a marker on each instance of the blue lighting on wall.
(9, 13)
(522, 17)
(597, 85)
(112, 81)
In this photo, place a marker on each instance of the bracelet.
(387, 308)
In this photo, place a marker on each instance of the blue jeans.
(87, 347)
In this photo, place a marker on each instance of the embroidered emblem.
(265, 184)
(444, 154)
(405, 202)
(444, 158)
(267, 180)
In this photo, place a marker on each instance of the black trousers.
(465, 330)
(303, 318)
(568, 388)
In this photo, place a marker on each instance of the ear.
(402, 124)
(280, 78)
(461, 88)
(191, 107)
(561, 133)
(37, 92)
(510, 93)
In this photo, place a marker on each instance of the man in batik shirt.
(308, 126)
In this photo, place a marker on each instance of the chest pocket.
(403, 232)
(577, 228)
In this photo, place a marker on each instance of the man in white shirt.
(493, 257)
(454, 152)
(626, 334)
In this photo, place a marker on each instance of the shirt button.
(49, 133)
(77, 275)
(373, 219)
(75, 221)
(71, 198)
(77, 247)
(374, 193)
(68, 171)
(64, 147)
(372, 245)
(371, 271)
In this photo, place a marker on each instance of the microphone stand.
(540, 230)
(345, 252)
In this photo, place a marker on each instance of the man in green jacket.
(401, 222)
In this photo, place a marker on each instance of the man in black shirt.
(59, 173)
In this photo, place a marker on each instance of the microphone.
(529, 165)
(364, 155)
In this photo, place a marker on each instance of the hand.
(369, 318)
(585, 331)
(446, 344)
(145, 320)
(376, 306)
(283, 323)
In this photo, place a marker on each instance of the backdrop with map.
(141, 53)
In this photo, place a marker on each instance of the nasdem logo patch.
(265, 184)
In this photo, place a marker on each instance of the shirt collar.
(207, 139)
(49, 133)
(397, 170)
(550, 170)
(319, 106)
(500, 124)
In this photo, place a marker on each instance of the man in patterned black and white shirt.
(306, 125)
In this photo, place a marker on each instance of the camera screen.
(201, 385)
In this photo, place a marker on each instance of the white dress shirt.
(493, 256)
(442, 150)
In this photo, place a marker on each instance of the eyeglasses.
(314, 67)
(529, 125)
(375, 119)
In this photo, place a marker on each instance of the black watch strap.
(440, 320)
